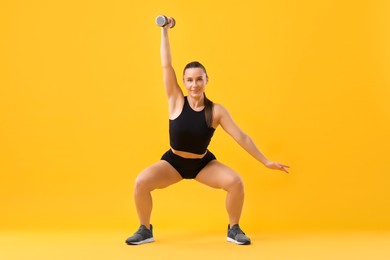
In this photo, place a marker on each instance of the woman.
(192, 121)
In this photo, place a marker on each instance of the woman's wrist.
(266, 162)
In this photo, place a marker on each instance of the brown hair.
(208, 104)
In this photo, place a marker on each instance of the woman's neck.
(196, 102)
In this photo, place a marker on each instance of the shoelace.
(141, 231)
(238, 230)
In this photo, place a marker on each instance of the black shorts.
(188, 168)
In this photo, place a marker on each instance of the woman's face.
(195, 81)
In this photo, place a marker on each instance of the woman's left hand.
(277, 166)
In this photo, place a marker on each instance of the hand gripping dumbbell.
(163, 20)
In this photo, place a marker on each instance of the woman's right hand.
(169, 24)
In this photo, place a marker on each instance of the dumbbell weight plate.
(161, 20)
(173, 22)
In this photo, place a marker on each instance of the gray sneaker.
(143, 235)
(236, 235)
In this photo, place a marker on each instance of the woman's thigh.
(157, 176)
(218, 175)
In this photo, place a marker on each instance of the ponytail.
(208, 109)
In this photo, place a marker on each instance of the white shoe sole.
(149, 240)
(229, 239)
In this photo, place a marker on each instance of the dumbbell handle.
(163, 20)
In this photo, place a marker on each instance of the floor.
(184, 244)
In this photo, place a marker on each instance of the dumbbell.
(162, 20)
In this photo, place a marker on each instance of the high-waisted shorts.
(188, 168)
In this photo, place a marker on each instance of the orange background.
(83, 111)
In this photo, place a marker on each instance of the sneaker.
(143, 235)
(235, 235)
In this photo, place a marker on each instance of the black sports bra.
(189, 131)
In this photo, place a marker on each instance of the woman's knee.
(143, 182)
(235, 183)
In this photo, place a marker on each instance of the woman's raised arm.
(171, 85)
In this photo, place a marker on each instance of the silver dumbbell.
(162, 20)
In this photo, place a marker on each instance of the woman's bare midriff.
(187, 154)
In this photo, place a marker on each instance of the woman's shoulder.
(219, 108)
(220, 113)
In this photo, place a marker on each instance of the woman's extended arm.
(172, 88)
(244, 140)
